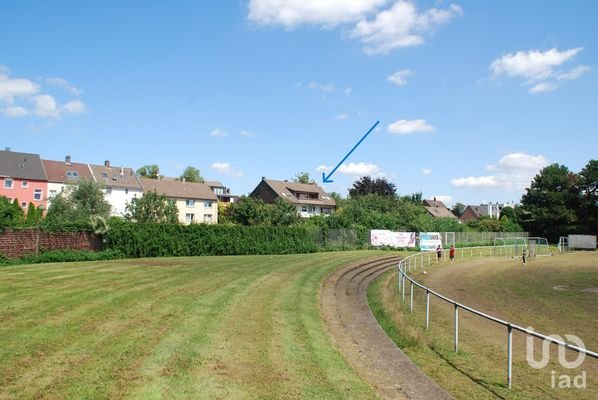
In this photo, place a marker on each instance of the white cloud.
(11, 88)
(406, 127)
(45, 106)
(15, 112)
(324, 87)
(75, 107)
(513, 172)
(574, 73)
(63, 83)
(292, 13)
(354, 169)
(225, 168)
(342, 116)
(538, 69)
(218, 132)
(426, 171)
(401, 26)
(543, 87)
(400, 77)
(348, 91)
(245, 133)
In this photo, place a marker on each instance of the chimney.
(263, 178)
(107, 163)
(67, 160)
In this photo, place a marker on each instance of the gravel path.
(363, 342)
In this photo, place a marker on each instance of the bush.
(63, 256)
(162, 240)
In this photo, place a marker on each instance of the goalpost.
(513, 247)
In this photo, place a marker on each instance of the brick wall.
(16, 243)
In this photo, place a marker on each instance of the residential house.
(120, 186)
(222, 192)
(437, 209)
(309, 199)
(62, 174)
(195, 201)
(473, 212)
(22, 177)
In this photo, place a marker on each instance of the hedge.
(163, 240)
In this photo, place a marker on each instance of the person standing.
(439, 252)
(523, 256)
(452, 253)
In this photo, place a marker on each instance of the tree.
(34, 214)
(151, 171)
(191, 174)
(11, 214)
(549, 204)
(152, 207)
(249, 211)
(303, 177)
(283, 213)
(367, 185)
(81, 205)
(458, 209)
(588, 193)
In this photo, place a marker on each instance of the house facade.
(196, 202)
(437, 209)
(120, 186)
(473, 212)
(64, 174)
(222, 192)
(23, 178)
(309, 199)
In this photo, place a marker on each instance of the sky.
(474, 98)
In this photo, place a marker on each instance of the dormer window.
(72, 175)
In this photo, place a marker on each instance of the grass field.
(196, 328)
(554, 295)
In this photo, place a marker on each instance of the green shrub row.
(162, 240)
(63, 256)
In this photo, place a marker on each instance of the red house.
(22, 177)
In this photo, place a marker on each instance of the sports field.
(195, 328)
(554, 295)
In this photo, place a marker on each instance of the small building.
(309, 199)
(437, 209)
(474, 212)
(120, 186)
(62, 174)
(23, 178)
(222, 192)
(196, 202)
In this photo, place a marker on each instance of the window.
(24, 184)
(304, 209)
(189, 217)
(207, 204)
(219, 190)
(104, 175)
(37, 195)
(190, 203)
(326, 210)
(7, 183)
(72, 175)
(126, 190)
(108, 191)
(207, 218)
(52, 194)
(24, 204)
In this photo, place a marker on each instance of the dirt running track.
(363, 342)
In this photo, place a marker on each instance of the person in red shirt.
(452, 253)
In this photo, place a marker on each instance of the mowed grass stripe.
(171, 328)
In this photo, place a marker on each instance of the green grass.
(195, 328)
(501, 287)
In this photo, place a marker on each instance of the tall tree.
(283, 213)
(366, 185)
(588, 192)
(151, 171)
(11, 214)
(549, 204)
(191, 174)
(458, 209)
(303, 177)
(81, 204)
(152, 207)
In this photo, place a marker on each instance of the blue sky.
(473, 97)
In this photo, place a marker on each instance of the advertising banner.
(381, 237)
(429, 241)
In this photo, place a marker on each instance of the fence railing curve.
(409, 262)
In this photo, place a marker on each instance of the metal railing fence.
(411, 262)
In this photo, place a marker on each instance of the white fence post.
(456, 328)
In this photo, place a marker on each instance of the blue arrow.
(326, 179)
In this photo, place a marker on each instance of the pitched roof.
(291, 191)
(62, 172)
(118, 177)
(214, 183)
(437, 209)
(22, 165)
(178, 189)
